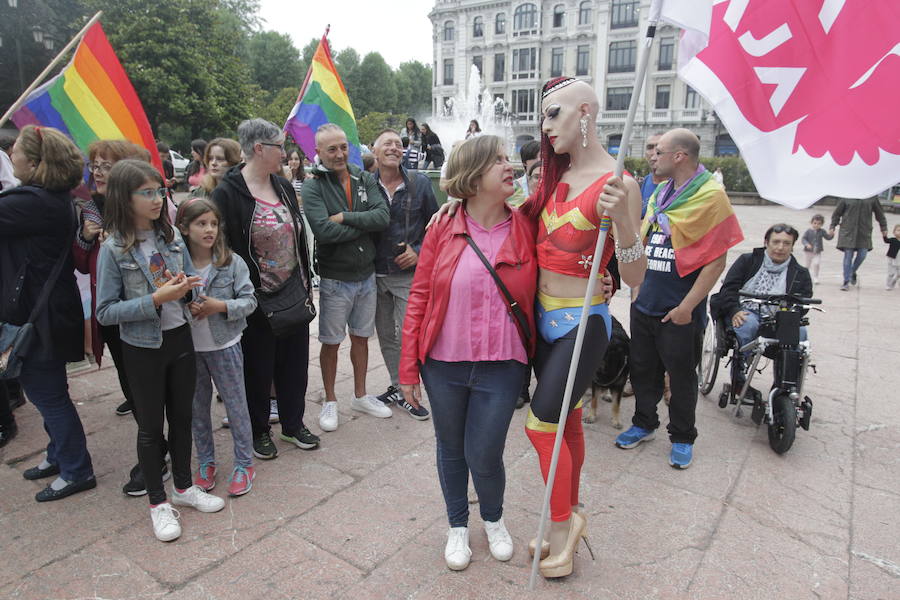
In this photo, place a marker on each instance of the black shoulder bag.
(512, 306)
(17, 340)
(290, 307)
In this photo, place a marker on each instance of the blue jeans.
(45, 384)
(747, 330)
(472, 404)
(851, 265)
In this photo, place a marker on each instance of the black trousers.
(551, 367)
(110, 335)
(284, 361)
(8, 389)
(162, 381)
(658, 348)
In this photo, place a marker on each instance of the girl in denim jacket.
(226, 298)
(143, 278)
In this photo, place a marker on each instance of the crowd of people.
(217, 294)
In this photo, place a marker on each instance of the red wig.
(553, 164)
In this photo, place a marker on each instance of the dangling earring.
(584, 130)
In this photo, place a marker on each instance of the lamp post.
(40, 37)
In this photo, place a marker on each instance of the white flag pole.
(655, 9)
(40, 78)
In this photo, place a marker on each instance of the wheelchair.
(778, 340)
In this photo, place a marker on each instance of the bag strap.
(57, 268)
(511, 303)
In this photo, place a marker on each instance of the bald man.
(688, 229)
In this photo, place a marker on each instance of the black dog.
(610, 379)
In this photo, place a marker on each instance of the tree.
(274, 61)
(376, 89)
(373, 123)
(278, 109)
(414, 88)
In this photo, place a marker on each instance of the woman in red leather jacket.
(471, 347)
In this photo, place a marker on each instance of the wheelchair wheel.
(783, 425)
(713, 349)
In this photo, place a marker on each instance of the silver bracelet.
(632, 253)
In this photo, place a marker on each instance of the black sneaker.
(420, 414)
(853, 279)
(264, 447)
(136, 486)
(124, 409)
(391, 396)
(304, 438)
(524, 397)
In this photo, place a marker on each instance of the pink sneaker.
(241, 481)
(205, 477)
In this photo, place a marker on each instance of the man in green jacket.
(345, 210)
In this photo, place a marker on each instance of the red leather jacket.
(516, 264)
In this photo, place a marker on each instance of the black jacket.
(420, 208)
(236, 204)
(36, 227)
(726, 302)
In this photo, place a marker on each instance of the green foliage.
(375, 89)
(274, 61)
(414, 89)
(373, 123)
(734, 170)
(279, 107)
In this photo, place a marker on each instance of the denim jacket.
(125, 286)
(231, 284)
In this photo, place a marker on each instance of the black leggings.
(551, 367)
(162, 386)
(110, 335)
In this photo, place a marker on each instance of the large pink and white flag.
(808, 89)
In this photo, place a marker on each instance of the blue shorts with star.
(558, 316)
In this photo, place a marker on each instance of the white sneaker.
(457, 552)
(328, 417)
(165, 522)
(371, 405)
(273, 410)
(197, 498)
(499, 539)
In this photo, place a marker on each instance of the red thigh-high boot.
(574, 439)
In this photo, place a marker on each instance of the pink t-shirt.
(478, 326)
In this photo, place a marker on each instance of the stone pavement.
(362, 517)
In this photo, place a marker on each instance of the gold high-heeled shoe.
(560, 565)
(545, 548)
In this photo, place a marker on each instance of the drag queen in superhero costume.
(577, 187)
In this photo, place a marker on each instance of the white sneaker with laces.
(165, 522)
(499, 540)
(371, 405)
(197, 498)
(457, 552)
(273, 410)
(328, 417)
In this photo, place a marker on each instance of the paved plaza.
(362, 516)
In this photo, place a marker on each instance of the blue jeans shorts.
(344, 304)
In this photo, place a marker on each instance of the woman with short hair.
(37, 228)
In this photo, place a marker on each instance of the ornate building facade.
(519, 44)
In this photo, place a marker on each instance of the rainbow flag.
(91, 99)
(702, 222)
(323, 99)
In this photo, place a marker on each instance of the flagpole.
(40, 78)
(655, 9)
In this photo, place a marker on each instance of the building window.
(499, 104)
(666, 53)
(479, 64)
(448, 31)
(559, 15)
(478, 27)
(448, 71)
(500, 23)
(525, 19)
(617, 98)
(524, 64)
(583, 59)
(622, 56)
(523, 104)
(624, 14)
(447, 103)
(663, 92)
(584, 13)
(725, 146)
(499, 67)
(557, 56)
(691, 99)
(613, 143)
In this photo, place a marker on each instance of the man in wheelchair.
(771, 269)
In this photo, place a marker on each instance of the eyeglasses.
(281, 145)
(102, 168)
(148, 194)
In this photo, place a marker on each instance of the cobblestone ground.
(362, 517)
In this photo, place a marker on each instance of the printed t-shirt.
(200, 331)
(272, 236)
(172, 313)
